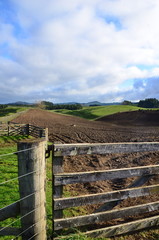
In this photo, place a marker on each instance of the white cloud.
(68, 50)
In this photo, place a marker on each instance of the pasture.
(11, 112)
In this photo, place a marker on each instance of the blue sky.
(61, 51)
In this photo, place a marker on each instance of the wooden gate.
(109, 199)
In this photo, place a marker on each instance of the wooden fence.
(14, 129)
(108, 199)
(30, 208)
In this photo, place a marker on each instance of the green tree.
(126, 102)
(46, 105)
(149, 103)
(3, 106)
(68, 106)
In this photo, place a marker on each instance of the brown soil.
(140, 126)
(135, 118)
(68, 129)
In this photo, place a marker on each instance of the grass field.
(9, 191)
(92, 113)
(11, 112)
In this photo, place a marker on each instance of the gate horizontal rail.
(83, 177)
(109, 199)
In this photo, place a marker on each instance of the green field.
(10, 112)
(9, 192)
(92, 113)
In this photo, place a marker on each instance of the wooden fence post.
(40, 133)
(31, 163)
(57, 166)
(27, 129)
(8, 128)
(46, 134)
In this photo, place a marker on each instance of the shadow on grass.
(85, 113)
(12, 139)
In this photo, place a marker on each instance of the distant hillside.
(93, 103)
(96, 103)
(20, 103)
(67, 103)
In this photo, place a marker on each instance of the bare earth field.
(122, 127)
(139, 126)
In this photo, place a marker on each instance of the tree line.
(147, 103)
(51, 106)
(3, 106)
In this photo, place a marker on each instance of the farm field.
(140, 126)
(11, 112)
(121, 127)
(92, 113)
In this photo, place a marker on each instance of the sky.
(79, 50)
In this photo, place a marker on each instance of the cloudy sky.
(79, 50)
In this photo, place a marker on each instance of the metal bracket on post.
(48, 151)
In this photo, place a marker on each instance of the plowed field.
(123, 127)
(137, 126)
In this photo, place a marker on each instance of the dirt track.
(125, 127)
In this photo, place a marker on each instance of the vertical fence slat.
(32, 207)
(27, 129)
(57, 166)
(46, 134)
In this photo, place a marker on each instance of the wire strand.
(16, 220)
(22, 199)
(34, 236)
(13, 179)
(8, 154)
(19, 219)
(26, 229)
(23, 232)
